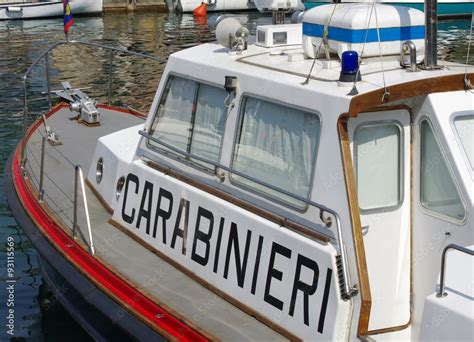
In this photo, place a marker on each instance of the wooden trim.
(282, 221)
(366, 302)
(364, 286)
(124, 110)
(364, 102)
(99, 197)
(391, 329)
(409, 110)
(206, 284)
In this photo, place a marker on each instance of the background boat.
(446, 8)
(46, 9)
(187, 6)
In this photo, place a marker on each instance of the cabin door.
(380, 143)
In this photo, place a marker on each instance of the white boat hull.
(15, 10)
(219, 5)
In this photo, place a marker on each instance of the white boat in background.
(186, 6)
(10, 10)
(446, 8)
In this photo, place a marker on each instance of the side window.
(277, 145)
(377, 154)
(438, 190)
(464, 125)
(190, 117)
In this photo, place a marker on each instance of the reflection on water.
(134, 81)
(453, 37)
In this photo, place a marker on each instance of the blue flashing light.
(349, 62)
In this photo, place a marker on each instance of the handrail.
(45, 55)
(79, 179)
(348, 290)
(41, 180)
(441, 293)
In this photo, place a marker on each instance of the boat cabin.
(310, 184)
(243, 151)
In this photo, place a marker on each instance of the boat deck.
(157, 279)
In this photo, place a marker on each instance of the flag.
(68, 19)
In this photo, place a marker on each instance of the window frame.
(175, 155)
(238, 124)
(426, 210)
(401, 166)
(452, 119)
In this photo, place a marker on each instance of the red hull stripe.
(132, 299)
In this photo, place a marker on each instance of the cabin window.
(276, 145)
(378, 157)
(191, 118)
(465, 129)
(438, 190)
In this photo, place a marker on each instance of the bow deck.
(179, 297)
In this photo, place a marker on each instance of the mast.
(431, 36)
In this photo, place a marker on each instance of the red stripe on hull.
(128, 296)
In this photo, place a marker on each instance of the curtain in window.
(277, 145)
(191, 117)
(172, 124)
(209, 122)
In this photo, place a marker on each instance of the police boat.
(311, 182)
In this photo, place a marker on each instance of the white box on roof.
(279, 35)
(354, 25)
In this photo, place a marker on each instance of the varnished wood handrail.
(364, 286)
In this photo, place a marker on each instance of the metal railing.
(347, 291)
(78, 180)
(78, 174)
(45, 56)
(441, 292)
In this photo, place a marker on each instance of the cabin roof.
(288, 64)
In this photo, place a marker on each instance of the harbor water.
(38, 315)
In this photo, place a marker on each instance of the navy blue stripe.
(387, 34)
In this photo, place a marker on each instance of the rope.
(386, 93)
(323, 38)
(354, 86)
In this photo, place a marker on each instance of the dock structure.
(134, 5)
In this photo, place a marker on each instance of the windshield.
(464, 126)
